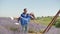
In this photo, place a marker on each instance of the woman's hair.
(32, 15)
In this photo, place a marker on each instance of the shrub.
(57, 24)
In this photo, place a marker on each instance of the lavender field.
(7, 26)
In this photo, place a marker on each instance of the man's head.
(25, 10)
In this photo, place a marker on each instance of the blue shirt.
(25, 18)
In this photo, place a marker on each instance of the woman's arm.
(32, 16)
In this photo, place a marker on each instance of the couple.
(25, 19)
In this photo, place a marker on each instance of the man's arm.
(20, 17)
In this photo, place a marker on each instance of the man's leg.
(26, 29)
(23, 29)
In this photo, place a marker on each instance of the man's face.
(25, 11)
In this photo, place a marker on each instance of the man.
(25, 19)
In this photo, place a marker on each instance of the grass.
(31, 31)
(44, 20)
(13, 29)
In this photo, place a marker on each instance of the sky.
(40, 8)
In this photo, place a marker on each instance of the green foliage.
(57, 23)
(38, 18)
(46, 20)
(43, 20)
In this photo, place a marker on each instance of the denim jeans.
(24, 29)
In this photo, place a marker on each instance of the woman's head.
(31, 13)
